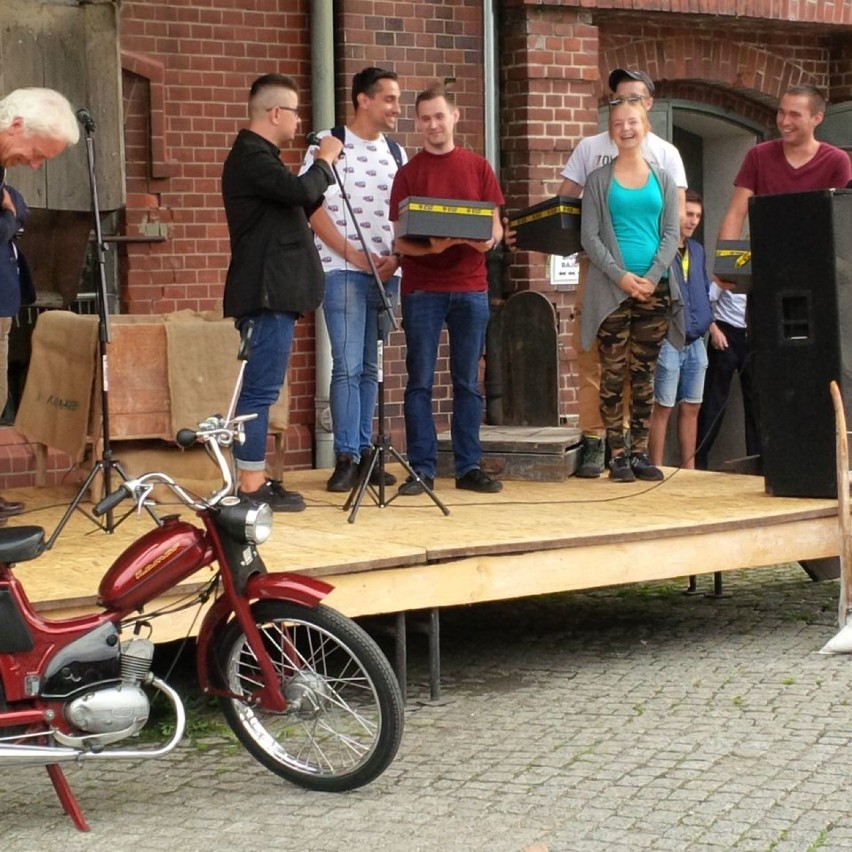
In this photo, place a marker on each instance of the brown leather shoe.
(9, 508)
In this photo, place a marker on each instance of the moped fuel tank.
(154, 563)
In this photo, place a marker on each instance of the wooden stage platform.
(532, 538)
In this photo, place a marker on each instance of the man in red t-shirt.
(797, 162)
(444, 282)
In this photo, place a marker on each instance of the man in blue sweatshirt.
(679, 380)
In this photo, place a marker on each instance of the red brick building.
(529, 78)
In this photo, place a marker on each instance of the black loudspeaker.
(801, 334)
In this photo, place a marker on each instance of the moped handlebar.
(214, 433)
(111, 501)
(185, 438)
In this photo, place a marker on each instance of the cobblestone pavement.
(629, 718)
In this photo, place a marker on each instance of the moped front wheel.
(344, 718)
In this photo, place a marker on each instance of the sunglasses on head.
(629, 99)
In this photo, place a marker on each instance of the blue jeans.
(351, 309)
(271, 341)
(680, 374)
(423, 317)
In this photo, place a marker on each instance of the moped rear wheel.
(344, 720)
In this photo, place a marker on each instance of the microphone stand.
(106, 464)
(382, 448)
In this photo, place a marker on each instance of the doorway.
(712, 145)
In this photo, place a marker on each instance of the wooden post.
(845, 602)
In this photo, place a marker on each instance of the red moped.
(306, 691)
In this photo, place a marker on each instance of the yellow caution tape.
(543, 214)
(444, 208)
(743, 256)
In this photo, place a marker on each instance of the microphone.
(313, 138)
(85, 118)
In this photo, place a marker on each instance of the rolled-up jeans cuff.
(250, 465)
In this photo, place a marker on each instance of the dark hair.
(264, 92)
(815, 97)
(694, 197)
(437, 90)
(366, 81)
(272, 81)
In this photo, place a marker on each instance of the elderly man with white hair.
(35, 125)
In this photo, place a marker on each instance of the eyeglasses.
(294, 110)
(630, 99)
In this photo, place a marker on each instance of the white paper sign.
(564, 271)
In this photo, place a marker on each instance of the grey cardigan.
(602, 294)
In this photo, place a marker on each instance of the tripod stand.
(382, 447)
(106, 464)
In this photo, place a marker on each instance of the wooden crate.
(533, 453)
(138, 382)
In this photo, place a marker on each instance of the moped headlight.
(259, 523)
(246, 521)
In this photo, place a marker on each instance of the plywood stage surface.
(532, 538)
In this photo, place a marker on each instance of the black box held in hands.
(733, 263)
(552, 227)
(445, 217)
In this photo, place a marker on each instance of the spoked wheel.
(344, 719)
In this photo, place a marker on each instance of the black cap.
(621, 74)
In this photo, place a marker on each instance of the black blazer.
(274, 262)
(10, 257)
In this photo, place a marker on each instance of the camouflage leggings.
(630, 339)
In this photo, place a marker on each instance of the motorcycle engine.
(123, 708)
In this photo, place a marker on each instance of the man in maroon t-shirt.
(797, 162)
(444, 282)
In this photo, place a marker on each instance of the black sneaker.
(413, 486)
(591, 458)
(478, 480)
(619, 469)
(276, 496)
(345, 475)
(642, 467)
(375, 476)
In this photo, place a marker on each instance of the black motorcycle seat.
(20, 544)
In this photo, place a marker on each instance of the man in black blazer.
(275, 274)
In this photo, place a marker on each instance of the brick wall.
(187, 71)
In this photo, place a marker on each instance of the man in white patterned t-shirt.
(592, 153)
(352, 301)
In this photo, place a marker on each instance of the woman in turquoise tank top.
(630, 231)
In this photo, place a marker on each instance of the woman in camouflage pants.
(630, 232)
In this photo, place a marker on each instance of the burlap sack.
(199, 367)
(203, 367)
(58, 393)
